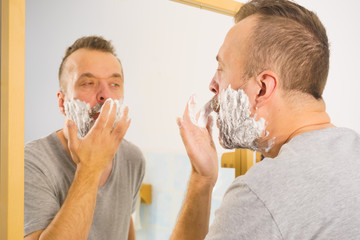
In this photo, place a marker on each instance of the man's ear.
(61, 100)
(268, 82)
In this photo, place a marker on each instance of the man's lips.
(95, 116)
(95, 111)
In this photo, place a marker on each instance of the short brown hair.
(89, 42)
(290, 40)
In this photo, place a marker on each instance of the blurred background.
(168, 53)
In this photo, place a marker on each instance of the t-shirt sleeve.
(138, 181)
(40, 202)
(242, 215)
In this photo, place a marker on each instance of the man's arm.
(92, 155)
(131, 230)
(193, 222)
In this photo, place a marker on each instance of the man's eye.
(219, 69)
(87, 83)
(115, 85)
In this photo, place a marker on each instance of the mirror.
(168, 53)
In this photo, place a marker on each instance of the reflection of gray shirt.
(49, 172)
(311, 190)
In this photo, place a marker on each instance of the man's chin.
(95, 116)
(225, 144)
(228, 143)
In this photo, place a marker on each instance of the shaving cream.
(204, 113)
(83, 116)
(237, 128)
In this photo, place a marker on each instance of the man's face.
(231, 59)
(239, 127)
(91, 77)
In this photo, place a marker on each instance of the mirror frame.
(12, 119)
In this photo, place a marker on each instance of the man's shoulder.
(307, 163)
(130, 151)
(45, 151)
(305, 151)
(41, 144)
(328, 135)
(41, 141)
(129, 147)
(292, 185)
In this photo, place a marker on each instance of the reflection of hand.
(199, 146)
(97, 149)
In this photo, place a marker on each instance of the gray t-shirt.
(49, 172)
(311, 190)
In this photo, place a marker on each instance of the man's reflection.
(81, 182)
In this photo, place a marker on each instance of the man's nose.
(103, 92)
(214, 86)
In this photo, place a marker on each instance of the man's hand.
(193, 221)
(97, 149)
(199, 146)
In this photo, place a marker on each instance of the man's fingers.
(184, 132)
(122, 125)
(189, 113)
(112, 116)
(103, 117)
(198, 116)
(179, 122)
(72, 134)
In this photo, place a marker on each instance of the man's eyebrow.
(89, 75)
(86, 75)
(218, 59)
(116, 75)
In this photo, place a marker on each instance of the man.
(272, 70)
(82, 181)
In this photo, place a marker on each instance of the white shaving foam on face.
(237, 128)
(80, 112)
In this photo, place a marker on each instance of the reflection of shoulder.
(46, 153)
(39, 147)
(131, 152)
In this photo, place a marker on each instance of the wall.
(168, 53)
(340, 19)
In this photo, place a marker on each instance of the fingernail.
(193, 99)
(109, 101)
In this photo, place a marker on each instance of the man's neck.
(290, 123)
(64, 142)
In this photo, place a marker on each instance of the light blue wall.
(169, 188)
